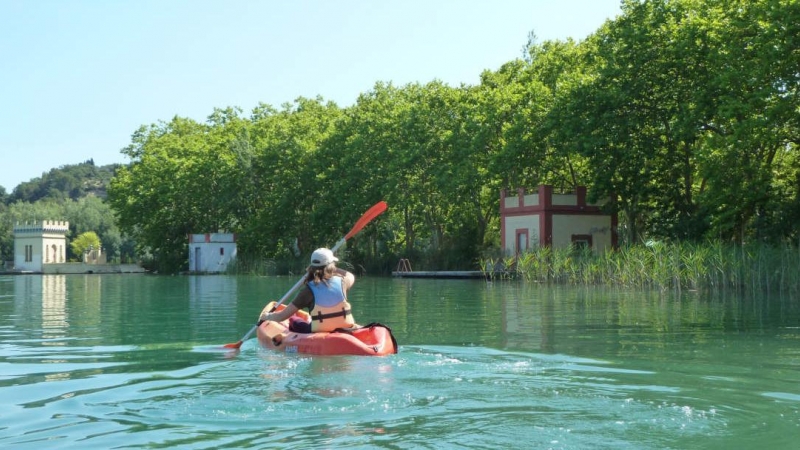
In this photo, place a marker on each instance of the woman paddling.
(324, 296)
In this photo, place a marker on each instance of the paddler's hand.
(265, 313)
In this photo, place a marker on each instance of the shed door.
(522, 241)
(197, 264)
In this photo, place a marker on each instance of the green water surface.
(136, 361)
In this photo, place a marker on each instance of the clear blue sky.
(78, 77)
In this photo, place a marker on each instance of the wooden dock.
(439, 274)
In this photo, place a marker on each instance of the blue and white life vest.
(331, 308)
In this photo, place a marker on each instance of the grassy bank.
(757, 268)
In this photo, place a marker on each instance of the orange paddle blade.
(366, 218)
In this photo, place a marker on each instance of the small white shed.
(211, 252)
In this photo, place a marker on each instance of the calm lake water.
(136, 361)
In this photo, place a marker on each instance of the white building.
(211, 252)
(40, 243)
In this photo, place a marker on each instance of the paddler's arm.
(304, 299)
(348, 278)
(278, 316)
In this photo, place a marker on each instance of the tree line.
(684, 113)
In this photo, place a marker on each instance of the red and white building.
(546, 219)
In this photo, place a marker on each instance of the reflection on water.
(44, 298)
(93, 361)
(212, 304)
(54, 300)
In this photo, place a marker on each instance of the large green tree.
(749, 160)
(173, 187)
(288, 184)
(684, 107)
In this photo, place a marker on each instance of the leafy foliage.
(66, 182)
(85, 242)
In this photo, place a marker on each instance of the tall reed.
(752, 267)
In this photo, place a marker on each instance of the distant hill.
(69, 181)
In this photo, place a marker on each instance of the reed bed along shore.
(758, 268)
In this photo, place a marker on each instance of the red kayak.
(370, 340)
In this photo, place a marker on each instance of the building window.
(581, 243)
(221, 251)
